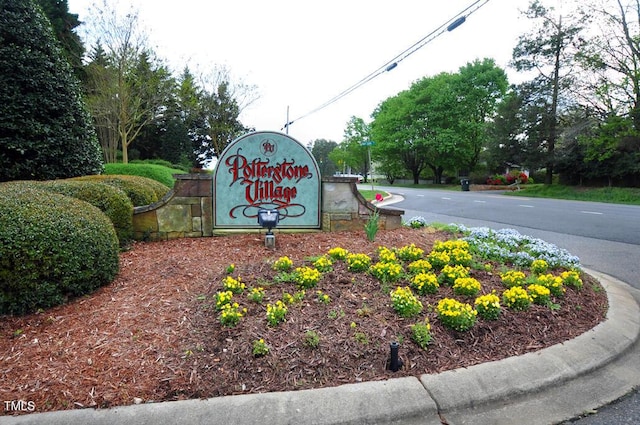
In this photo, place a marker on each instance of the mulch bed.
(154, 335)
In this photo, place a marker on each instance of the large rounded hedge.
(108, 199)
(141, 190)
(159, 188)
(52, 247)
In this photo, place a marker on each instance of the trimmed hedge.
(108, 199)
(140, 190)
(157, 172)
(52, 247)
(159, 188)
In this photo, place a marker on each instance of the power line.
(448, 26)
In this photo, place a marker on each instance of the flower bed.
(157, 332)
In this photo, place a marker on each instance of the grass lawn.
(612, 195)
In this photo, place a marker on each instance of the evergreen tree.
(549, 51)
(64, 24)
(45, 129)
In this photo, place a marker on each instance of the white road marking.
(526, 206)
(480, 202)
(448, 199)
(513, 198)
(592, 212)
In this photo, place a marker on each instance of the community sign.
(266, 170)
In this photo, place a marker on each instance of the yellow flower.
(404, 302)
(419, 266)
(516, 298)
(513, 278)
(425, 283)
(410, 253)
(456, 315)
(337, 253)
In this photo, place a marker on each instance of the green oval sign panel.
(267, 170)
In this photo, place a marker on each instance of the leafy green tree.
(391, 168)
(481, 87)
(535, 110)
(356, 133)
(221, 101)
(45, 130)
(611, 56)
(341, 157)
(426, 126)
(399, 133)
(188, 99)
(571, 164)
(153, 88)
(320, 151)
(614, 151)
(173, 133)
(506, 135)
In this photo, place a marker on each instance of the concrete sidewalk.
(544, 387)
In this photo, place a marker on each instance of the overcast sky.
(300, 54)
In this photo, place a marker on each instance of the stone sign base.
(344, 208)
(187, 210)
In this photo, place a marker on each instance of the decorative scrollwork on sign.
(264, 183)
(285, 210)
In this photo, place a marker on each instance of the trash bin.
(464, 183)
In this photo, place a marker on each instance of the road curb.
(553, 384)
(395, 401)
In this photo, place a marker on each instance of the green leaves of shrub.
(51, 247)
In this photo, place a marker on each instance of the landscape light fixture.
(395, 363)
(268, 219)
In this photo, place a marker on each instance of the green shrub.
(46, 131)
(160, 173)
(108, 199)
(140, 190)
(179, 168)
(51, 247)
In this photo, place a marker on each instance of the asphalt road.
(606, 238)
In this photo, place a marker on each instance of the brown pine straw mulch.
(153, 334)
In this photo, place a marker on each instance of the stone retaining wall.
(187, 210)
